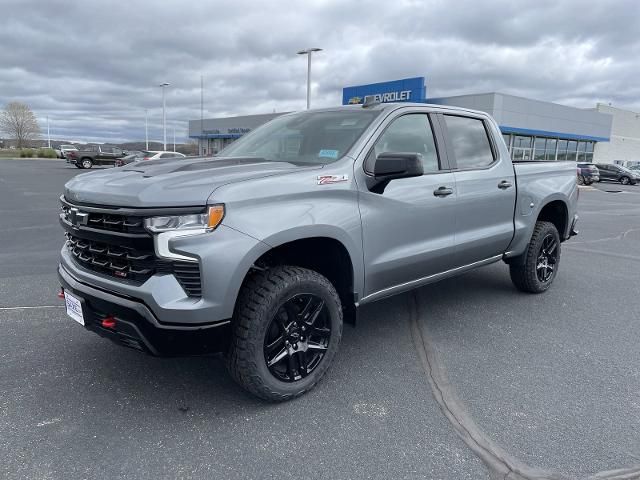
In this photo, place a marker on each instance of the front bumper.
(137, 327)
(225, 256)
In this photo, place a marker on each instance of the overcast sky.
(93, 66)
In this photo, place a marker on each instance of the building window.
(581, 151)
(550, 150)
(521, 148)
(572, 148)
(562, 150)
(507, 140)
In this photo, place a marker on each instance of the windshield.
(304, 138)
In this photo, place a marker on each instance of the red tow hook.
(61, 293)
(109, 322)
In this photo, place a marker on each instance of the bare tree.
(18, 121)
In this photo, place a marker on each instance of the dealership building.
(532, 129)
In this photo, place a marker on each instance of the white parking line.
(31, 307)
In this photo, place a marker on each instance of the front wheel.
(87, 163)
(624, 180)
(285, 332)
(536, 271)
(580, 180)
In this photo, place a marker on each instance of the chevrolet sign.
(405, 90)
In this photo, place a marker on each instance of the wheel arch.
(556, 212)
(321, 252)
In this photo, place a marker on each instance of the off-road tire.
(523, 271)
(259, 299)
(86, 163)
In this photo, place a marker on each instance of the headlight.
(198, 221)
(168, 227)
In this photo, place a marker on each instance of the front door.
(408, 229)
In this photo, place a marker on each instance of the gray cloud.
(93, 67)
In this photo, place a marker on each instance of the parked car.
(264, 250)
(147, 155)
(617, 173)
(587, 173)
(94, 155)
(62, 150)
(129, 157)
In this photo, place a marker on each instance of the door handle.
(505, 184)
(443, 191)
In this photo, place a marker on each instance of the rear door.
(485, 185)
(408, 229)
(605, 172)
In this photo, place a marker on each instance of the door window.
(408, 134)
(471, 145)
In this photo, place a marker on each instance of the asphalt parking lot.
(464, 379)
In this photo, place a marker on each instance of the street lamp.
(164, 116)
(146, 128)
(308, 52)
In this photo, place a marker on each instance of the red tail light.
(146, 158)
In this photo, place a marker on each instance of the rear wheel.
(580, 180)
(87, 163)
(536, 271)
(286, 330)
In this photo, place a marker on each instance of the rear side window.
(471, 145)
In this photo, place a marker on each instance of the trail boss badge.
(327, 179)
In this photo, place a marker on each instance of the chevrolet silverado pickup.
(262, 251)
(94, 155)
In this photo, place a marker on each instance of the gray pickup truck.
(264, 250)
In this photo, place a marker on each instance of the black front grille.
(109, 222)
(117, 261)
(131, 264)
(115, 243)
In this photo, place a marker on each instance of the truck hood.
(168, 183)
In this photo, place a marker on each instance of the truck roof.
(395, 105)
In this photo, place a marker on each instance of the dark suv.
(588, 173)
(617, 173)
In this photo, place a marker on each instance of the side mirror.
(392, 166)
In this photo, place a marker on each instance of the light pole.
(174, 138)
(146, 128)
(308, 52)
(48, 134)
(164, 116)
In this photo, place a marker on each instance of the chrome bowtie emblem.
(77, 218)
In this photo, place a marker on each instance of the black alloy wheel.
(286, 330)
(297, 337)
(535, 270)
(624, 180)
(547, 258)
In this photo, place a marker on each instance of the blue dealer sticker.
(328, 153)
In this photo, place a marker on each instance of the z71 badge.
(327, 179)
